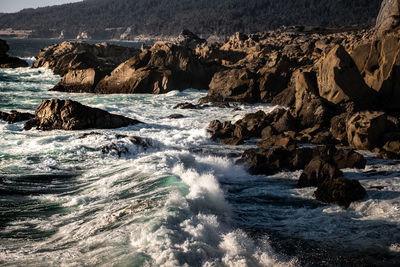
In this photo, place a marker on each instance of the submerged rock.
(70, 115)
(15, 116)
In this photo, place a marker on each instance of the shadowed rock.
(7, 61)
(59, 114)
(15, 116)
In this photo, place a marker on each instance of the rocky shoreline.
(337, 92)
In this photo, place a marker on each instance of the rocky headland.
(335, 89)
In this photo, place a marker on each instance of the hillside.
(113, 18)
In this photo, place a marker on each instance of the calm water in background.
(181, 201)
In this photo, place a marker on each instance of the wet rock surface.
(9, 62)
(56, 114)
(15, 116)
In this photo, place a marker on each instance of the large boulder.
(341, 191)
(234, 85)
(365, 129)
(80, 81)
(7, 61)
(339, 80)
(70, 115)
(189, 39)
(379, 63)
(389, 17)
(318, 170)
(310, 109)
(162, 68)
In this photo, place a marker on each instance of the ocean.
(181, 201)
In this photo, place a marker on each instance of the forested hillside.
(168, 17)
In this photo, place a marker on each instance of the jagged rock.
(220, 130)
(389, 17)
(80, 81)
(70, 115)
(189, 39)
(310, 109)
(365, 129)
(379, 63)
(266, 161)
(233, 141)
(121, 148)
(15, 116)
(163, 68)
(340, 191)
(340, 81)
(7, 61)
(318, 170)
(274, 79)
(235, 85)
(67, 56)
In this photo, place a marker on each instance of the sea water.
(181, 201)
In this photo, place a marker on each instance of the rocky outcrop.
(59, 114)
(160, 69)
(389, 17)
(82, 65)
(339, 80)
(7, 61)
(340, 191)
(189, 39)
(365, 129)
(379, 64)
(15, 116)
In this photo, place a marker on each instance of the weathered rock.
(348, 158)
(389, 17)
(266, 161)
(235, 85)
(67, 56)
(15, 116)
(80, 81)
(7, 61)
(317, 171)
(274, 79)
(163, 68)
(189, 39)
(278, 141)
(365, 129)
(70, 115)
(379, 63)
(121, 148)
(340, 191)
(340, 81)
(310, 109)
(220, 130)
(233, 141)
(392, 145)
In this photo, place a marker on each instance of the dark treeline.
(201, 16)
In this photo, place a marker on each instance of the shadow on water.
(18, 205)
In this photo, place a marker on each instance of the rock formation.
(59, 114)
(160, 69)
(82, 65)
(389, 17)
(15, 116)
(7, 61)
